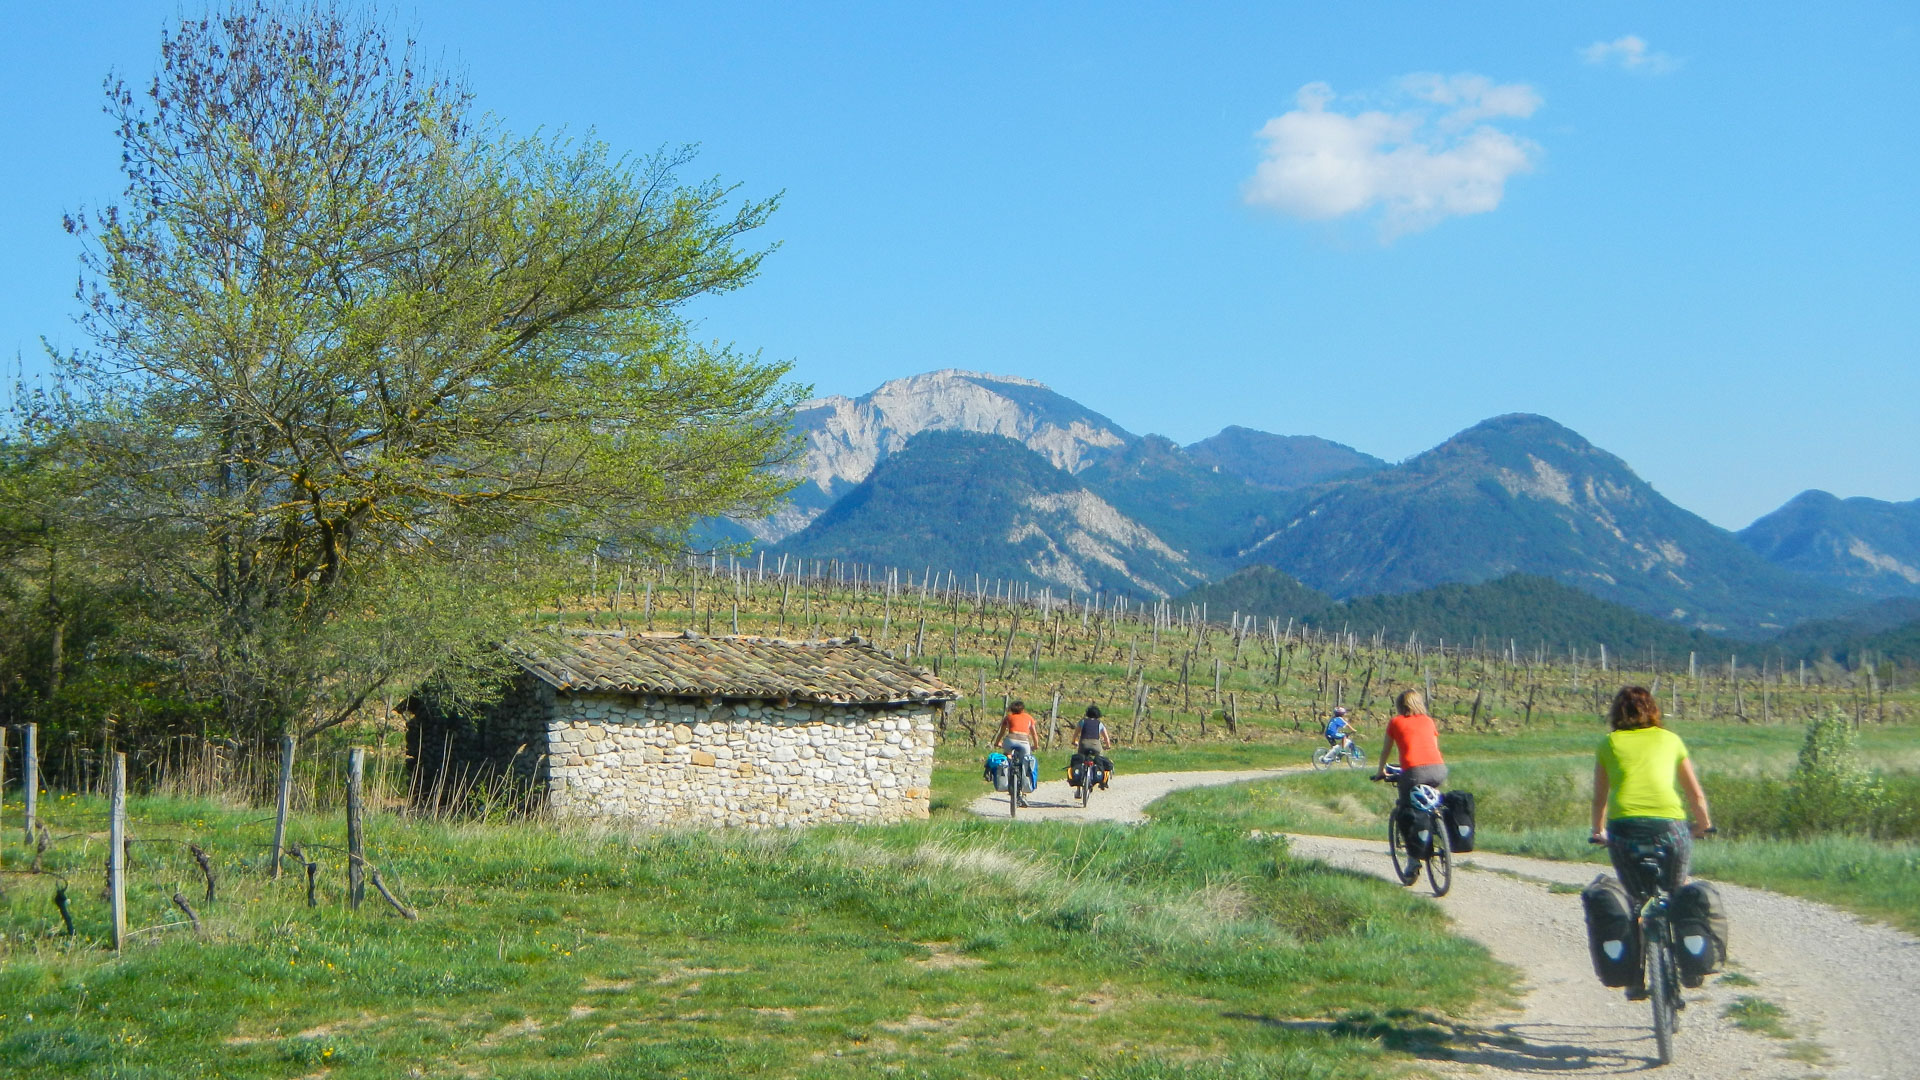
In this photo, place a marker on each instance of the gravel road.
(1850, 988)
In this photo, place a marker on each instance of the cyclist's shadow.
(1547, 1049)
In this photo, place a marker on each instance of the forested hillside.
(1522, 494)
(1865, 546)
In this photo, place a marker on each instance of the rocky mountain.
(1522, 494)
(1280, 462)
(1193, 506)
(987, 504)
(846, 438)
(1865, 546)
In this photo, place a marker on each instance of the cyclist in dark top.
(1093, 733)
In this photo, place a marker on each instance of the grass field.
(1532, 791)
(945, 949)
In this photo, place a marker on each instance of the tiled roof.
(832, 672)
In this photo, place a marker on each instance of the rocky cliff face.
(847, 437)
(981, 504)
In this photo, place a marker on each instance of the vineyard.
(1166, 674)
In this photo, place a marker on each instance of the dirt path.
(1849, 988)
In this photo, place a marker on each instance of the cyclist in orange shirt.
(1412, 733)
(1019, 726)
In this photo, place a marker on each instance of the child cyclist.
(1339, 731)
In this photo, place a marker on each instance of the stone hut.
(679, 729)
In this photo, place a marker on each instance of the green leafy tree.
(363, 370)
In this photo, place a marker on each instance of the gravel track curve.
(1850, 988)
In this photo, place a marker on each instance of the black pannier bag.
(1699, 920)
(1105, 765)
(1613, 936)
(1416, 828)
(1077, 770)
(1458, 806)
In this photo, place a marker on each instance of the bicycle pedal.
(1637, 993)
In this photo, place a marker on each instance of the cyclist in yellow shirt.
(1639, 776)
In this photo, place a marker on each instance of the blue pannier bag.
(997, 770)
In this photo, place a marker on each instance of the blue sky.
(1689, 232)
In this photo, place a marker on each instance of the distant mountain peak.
(846, 437)
(1280, 462)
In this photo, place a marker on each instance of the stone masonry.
(673, 762)
(683, 730)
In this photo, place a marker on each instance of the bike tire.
(1016, 779)
(1440, 863)
(1318, 758)
(1405, 866)
(1356, 758)
(1086, 794)
(1660, 994)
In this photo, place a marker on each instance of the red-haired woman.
(1639, 777)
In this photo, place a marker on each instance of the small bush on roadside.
(1830, 790)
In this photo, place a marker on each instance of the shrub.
(1830, 790)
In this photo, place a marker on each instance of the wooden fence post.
(30, 775)
(356, 868)
(283, 798)
(1053, 719)
(117, 852)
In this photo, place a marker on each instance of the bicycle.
(1661, 967)
(1018, 782)
(1085, 782)
(1348, 750)
(1438, 859)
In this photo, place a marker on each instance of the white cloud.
(1630, 53)
(1434, 157)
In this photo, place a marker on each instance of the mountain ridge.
(1870, 547)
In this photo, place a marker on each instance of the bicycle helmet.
(1340, 710)
(1425, 798)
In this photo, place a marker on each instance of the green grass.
(1532, 792)
(1760, 1016)
(943, 949)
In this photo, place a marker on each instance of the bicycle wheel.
(1440, 863)
(1086, 791)
(1661, 990)
(1405, 866)
(1319, 759)
(1356, 757)
(1016, 779)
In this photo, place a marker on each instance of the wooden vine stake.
(117, 852)
(283, 797)
(30, 774)
(356, 864)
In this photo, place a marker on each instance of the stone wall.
(677, 762)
